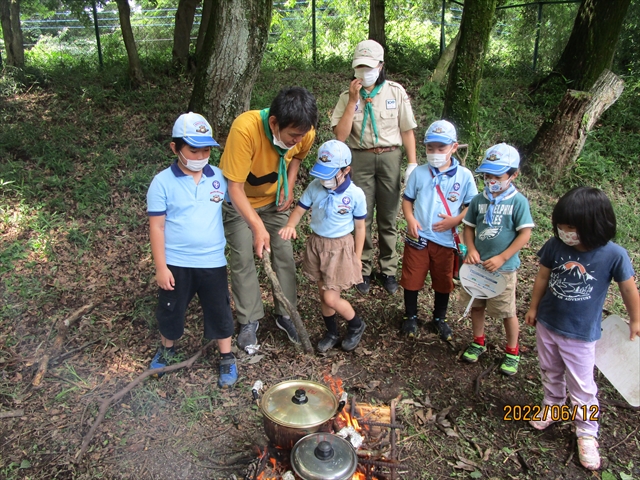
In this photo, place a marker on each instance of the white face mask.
(279, 143)
(193, 165)
(437, 160)
(329, 184)
(495, 186)
(368, 76)
(570, 238)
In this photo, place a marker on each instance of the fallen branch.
(293, 313)
(12, 414)
(104, 405)
(57, 343)
(483, 374)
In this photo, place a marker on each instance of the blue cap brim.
(201, 141)
(492, 169)
(322, 172)
(439, 139)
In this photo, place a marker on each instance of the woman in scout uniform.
(374, 117)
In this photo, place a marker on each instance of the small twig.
(484, 373)
(625, 439)
(12, 414)
(104, 405)
(62, 356)
(572, 450)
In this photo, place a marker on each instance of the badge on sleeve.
(391, 104)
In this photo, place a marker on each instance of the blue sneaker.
(228, 372)
(162, 358)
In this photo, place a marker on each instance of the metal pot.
(295, 408)
(323, 456)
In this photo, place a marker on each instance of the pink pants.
(567, 363)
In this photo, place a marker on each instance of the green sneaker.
(509, 365)
(473, 352)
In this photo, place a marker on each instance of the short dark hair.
(512, 171)
(590, 212)
(179, 141)
(295, 107)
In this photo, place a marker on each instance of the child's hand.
(165, 279)
(413, 228)
(530, 317)
(473, 257)
(494, 263)
(287, 233)
(634, 331)
(447, 223)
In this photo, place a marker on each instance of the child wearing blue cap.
(434, 202)
(184, 205)
(498, 224)
(333, 257)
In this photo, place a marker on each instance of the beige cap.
(369, 53)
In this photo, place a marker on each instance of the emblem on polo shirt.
(456, 186)
(346, 200)
(453, 197)
(216, 184)
(489, 233)
(343, 211)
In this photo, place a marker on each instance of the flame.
(358, 476)
(335, 384)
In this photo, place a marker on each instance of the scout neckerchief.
(283, 181)
(488, 217)
(368, 111)
(326, 203)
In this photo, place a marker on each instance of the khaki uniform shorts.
(332, 261)
(502, 306)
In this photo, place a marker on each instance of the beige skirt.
(332, 261)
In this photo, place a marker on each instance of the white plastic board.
(480, 283)
(618, 358)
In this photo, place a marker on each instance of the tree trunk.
(230, 62)
(182, 32)
(463, 88)
(445, 60)
(560, 140)
(593, 41)
(12, 32)
(204, 23)
(377, 22)
(135, 68)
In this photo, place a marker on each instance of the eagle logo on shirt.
(343, 211)
(489, 233)
(216, 198)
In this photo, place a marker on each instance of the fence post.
(535, 48)
(313, 30)
(442, 39)
(95, 24)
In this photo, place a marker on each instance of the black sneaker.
(352, 339)
(286, 325)
(327, 342)
(389, 283)
(363, 287)
(410, 325)
(443, 329)
(247, 335)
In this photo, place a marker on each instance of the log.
(559, 141)
(293, 313)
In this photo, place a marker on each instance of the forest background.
(79, 144)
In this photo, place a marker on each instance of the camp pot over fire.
(296, 408)
(324, 456)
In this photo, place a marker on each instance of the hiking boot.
(162, 358)
(545, 419)
(363, 287)
(389, 283)
(327, 342)
(588, 452)
(285, 324)
(352, 339)
(247, 335)
(473, 352)
(410, 325)
(509, 365)
(443, 329)
(228, 372)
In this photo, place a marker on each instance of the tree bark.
(377, 22)
(593, 41)
(230, 62)
(463, 87)
(560, 140)
(445, 60)
(204, 23)
(135, 68)
(182, 32)
(12, 32)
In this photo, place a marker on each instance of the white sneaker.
(588, 452)
(545, 421)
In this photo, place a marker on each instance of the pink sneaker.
(545, 421)
(588, 452)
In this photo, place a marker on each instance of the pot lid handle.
(300, 397)
(324, 451)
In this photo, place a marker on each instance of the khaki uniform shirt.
(393, 113)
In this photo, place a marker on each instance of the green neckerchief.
(368, 110)
(283, 181)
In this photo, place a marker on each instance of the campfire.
(369, 430)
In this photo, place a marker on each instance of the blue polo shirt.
(335, 218)
(193, 233)
(458, 187)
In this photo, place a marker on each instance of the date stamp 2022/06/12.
(515, 413)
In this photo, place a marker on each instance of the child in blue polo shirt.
(434, 202)
(184, 204)
(333, 257)
(498, 224)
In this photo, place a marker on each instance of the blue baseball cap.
(332, 156)
(442, 132)
(194, 129)
(499, 159)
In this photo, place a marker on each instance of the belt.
(377, 150)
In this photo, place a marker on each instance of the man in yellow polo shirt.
(261, 160)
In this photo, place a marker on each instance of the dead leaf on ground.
(254, 359)
(335, 367)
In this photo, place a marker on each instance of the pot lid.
(299, 403)
(323, 456)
